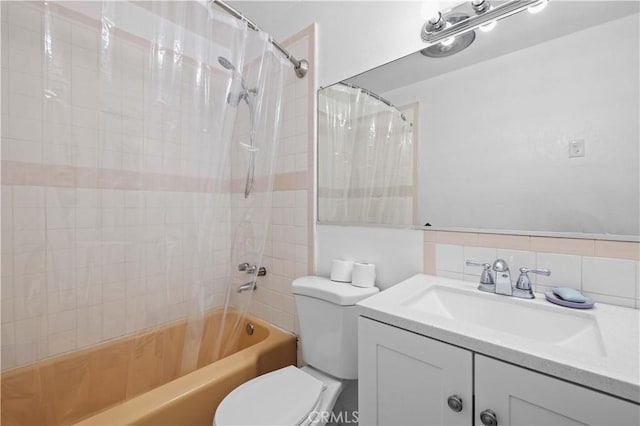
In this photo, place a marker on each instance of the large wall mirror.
(532, 127)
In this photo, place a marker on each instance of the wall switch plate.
(576, 148)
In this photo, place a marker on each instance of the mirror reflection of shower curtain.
(366, 170)
(158, 143)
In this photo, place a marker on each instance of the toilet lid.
(282, 397)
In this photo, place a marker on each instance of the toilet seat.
(282, 397)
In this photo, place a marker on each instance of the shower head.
(226, 63)
(452, 45)
(234, 99)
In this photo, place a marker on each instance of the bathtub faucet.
(252, 269)
(247, 286)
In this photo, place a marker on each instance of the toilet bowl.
(289, 396)
(328, 338)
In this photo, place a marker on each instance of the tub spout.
(247, 286)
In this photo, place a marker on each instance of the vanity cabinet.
(523, 397)
(406, 379)
(409, 379)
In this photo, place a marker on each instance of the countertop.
(616, 371)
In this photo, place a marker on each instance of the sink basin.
(569, 329)
(597, 348)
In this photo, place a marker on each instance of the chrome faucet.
(486, 279)
(503, 277)
(523, 285)
(251, 270)
(496, 278)
(251, 285)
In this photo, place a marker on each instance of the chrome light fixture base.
(432, 35)
(454, 44)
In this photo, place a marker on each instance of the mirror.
(532, 128)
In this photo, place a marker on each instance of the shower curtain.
(134, 171)
(365, 159)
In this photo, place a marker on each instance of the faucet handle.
(486, 277)
(524, 282)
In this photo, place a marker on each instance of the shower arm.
(301, 67)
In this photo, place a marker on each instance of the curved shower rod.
(301, 67)
(378, 97)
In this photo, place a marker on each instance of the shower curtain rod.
(299, 66)
(375, 96)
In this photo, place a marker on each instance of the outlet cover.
(576, 148)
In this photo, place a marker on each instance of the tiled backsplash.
(607, 271)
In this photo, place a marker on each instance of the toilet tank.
(328, 324)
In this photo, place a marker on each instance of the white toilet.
(328, 338)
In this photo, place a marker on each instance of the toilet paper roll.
(364, 274)
(341, 270)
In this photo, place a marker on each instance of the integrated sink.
(598, 348)
(570, 329)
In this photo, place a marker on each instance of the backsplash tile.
(566, 270)
(478, 254)
(449, 258)
(606, 271)
(612, 277)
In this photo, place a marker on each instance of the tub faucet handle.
(248, 268)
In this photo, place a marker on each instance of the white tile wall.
(287, 248)
(84, 265)
(449, 258)
(606, 280)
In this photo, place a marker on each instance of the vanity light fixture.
(538, 7)
(436, 30)
(480, 7)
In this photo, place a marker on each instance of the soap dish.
(555, 299)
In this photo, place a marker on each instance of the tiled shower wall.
(100, 237)
(289, 247)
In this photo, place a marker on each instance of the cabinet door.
(523, 397)
(406, 379)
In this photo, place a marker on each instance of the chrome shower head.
(234, 99)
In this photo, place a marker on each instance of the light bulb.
(538, 7)
(488, 27)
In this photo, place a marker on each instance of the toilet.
(328, 338)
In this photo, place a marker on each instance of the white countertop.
(615, 371)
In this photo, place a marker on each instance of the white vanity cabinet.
(406, 379)
(518, 396)
(409, 379)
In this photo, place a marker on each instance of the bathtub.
(137, 379)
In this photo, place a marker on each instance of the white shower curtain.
(365, 159)
(139, 154)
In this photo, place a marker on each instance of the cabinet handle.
(455, 403)
(489, 418)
